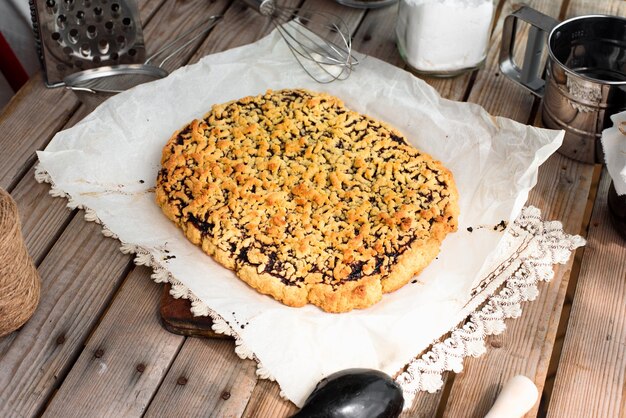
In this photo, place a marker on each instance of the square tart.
(306, 200)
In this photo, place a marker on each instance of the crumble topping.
(302, 189)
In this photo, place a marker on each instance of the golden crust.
(307, 201)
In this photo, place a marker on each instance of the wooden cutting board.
(177, 318)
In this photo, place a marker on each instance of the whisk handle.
(265, 7)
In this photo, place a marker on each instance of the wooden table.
(95, 346)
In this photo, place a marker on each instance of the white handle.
(516, 398)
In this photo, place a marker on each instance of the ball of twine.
(19, 280)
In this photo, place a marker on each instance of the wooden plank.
(567, 304)
(591, 376)
(206, 379)
(76, 286)
(124, 360)
(147, 9)
(22, 133)
(425, 405)
(576, 9)
(43, 217)
(376, 36)
(608, 7)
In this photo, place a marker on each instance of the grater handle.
(35, 22)
(39, 46)
(206, 26)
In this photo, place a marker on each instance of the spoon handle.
(518, 395)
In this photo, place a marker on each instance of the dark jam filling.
(397, 139)
(274, 267)
(206, 228)
(356, 271)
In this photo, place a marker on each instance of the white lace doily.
(542, 244)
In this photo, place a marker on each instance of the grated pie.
(305, 200)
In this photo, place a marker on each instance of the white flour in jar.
(440, 36)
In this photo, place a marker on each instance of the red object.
(10, 66)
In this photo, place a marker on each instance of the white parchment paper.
(109, 161)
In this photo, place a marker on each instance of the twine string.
(19, 280)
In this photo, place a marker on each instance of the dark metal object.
(585, 80)
(617, 210)
(354, 393)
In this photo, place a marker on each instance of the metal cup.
(585, 79)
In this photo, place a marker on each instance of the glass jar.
(366, 4)
(444, 37)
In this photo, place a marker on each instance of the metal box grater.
(76, 35)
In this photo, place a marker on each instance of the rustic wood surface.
(112, 377)
(96, 347)
(592, 370)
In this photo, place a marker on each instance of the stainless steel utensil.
(94, 85)
(76, 35)
(320, 41)
(585, 81)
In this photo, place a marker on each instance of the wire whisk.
(320, 41)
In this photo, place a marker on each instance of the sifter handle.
(529, 75)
